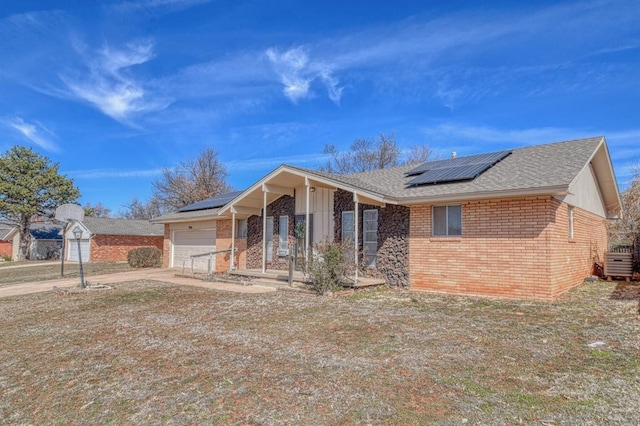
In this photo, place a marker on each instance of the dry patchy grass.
(153, 353)
(36, 272)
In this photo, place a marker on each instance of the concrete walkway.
(163, 275)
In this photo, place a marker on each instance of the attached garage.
(72, 250)
(196, 239)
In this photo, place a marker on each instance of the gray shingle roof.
(540, 166)
(109, 226)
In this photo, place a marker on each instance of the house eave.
(186, 219)
(486, 195)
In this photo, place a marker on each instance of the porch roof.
(285, 178)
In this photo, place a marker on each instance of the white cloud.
(297, 72)
(273, 162)
(170, 5)
(113, 174)
(109, 84)
(35, 132)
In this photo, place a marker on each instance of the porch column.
(355, 232)
(306, 224)
(264, 229)
(232, 257)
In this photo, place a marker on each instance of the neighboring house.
(46, 241)
(526, 223)
(6, 241)
(110, 240)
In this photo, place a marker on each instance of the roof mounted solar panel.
(455, 169)
(211, 203)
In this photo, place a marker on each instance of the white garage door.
(85, 246)
(192, 242)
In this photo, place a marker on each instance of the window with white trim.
(269, 237)
(241, 228)
(348, 227)
(447, 221)
(283, 236)
(370, 236)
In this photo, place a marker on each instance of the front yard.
(154, 353)
(41, 271)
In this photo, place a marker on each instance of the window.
(241, 228)
(370, 236)
(447, 221)
(283, 236)
(348, 227)
(570, 222)
(269, 232)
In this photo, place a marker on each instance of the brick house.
(527, 223)
(110, 240)
(46, 241)
(6, 241)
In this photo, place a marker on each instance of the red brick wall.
(114, 248)
(223, 242)
(516, 248)
(6, 248)
(571, 260)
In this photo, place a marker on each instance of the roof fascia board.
(552, 190)
(187, 219)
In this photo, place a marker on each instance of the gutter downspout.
(232, 258)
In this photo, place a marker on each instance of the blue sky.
(116, 90)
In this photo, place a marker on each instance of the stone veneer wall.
(283, 206)
(392, 261)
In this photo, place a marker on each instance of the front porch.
(299, 277)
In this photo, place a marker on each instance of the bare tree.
(420, 154)
(137, 209)
(368, 154)
(96, 210)
(364, 155)
(191, 181)
(629, 224)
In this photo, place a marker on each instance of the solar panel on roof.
(454, 169)
(211, 203)
(450, 174)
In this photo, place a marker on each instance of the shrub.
(327, 269)
(144, 257)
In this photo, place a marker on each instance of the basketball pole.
(64, 244)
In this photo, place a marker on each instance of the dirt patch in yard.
(153, 353)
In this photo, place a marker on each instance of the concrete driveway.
(163, 275)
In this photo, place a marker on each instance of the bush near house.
(145, 257)
(328, 267)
